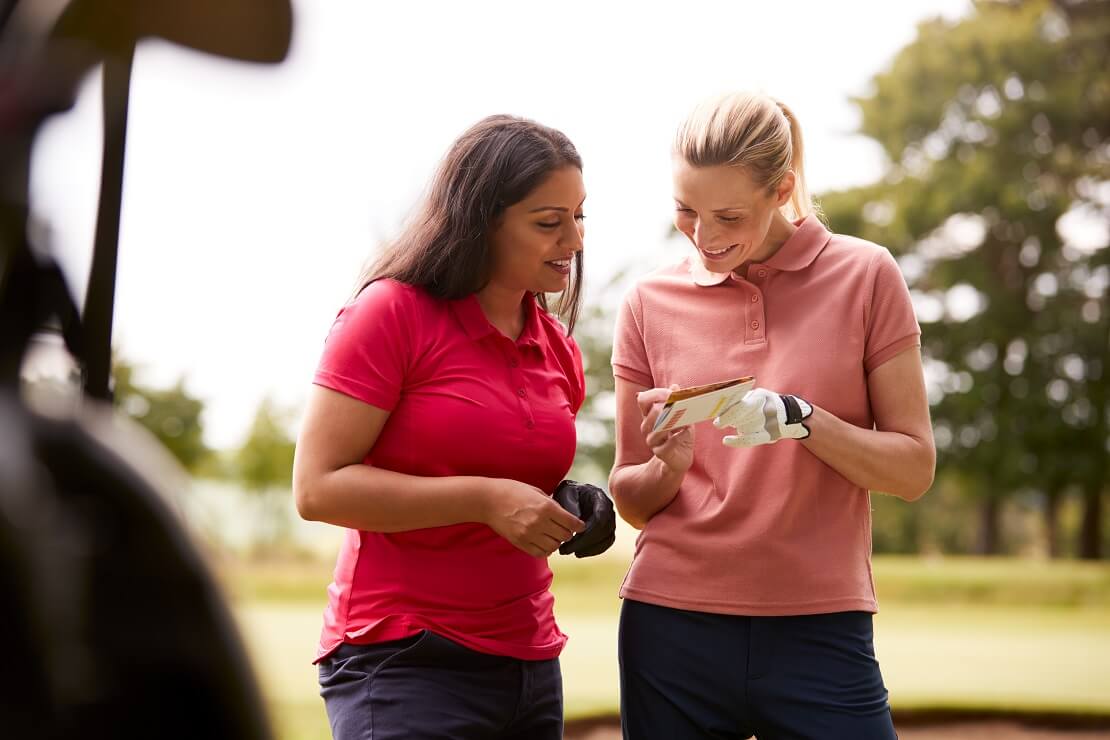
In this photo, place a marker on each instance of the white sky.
(253, 195)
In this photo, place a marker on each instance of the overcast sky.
(253, 195)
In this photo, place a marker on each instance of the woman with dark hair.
(440, 421)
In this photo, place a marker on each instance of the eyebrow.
(561, 209)
(716, 210)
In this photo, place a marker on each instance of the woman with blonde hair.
(748, 606)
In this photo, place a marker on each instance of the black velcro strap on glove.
(793, 410)
(591, 505)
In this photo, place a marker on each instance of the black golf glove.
(592, 506)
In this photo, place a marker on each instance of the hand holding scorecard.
(687, 406)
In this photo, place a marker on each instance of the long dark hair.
(444, 249)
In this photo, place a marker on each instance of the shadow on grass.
(609, 725)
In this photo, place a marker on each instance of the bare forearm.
(639, 491)
(890, 462)
(376, 500)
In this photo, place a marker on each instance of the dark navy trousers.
(427, 687)
(690, 675)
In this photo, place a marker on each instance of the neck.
(502, 308)
(781, 230)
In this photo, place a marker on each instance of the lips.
(717, 254)
(561, 266)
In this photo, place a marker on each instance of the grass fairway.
(952, 634)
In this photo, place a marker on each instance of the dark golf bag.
(111, 625)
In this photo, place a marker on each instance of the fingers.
(563, 522)
(543, 546)
(647, 399)
(742, 413)
(662, 441)
(747, 439)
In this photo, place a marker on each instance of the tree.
(596, 419)
(996, 129)
(170, 414)
(264, 465)
(265, 459)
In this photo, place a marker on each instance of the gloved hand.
(592, 506)
(762, 417)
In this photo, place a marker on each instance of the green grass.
(968, 580)
(954, 634)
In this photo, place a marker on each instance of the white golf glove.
(763, 417)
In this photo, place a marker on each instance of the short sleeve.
(629, 354)
(891, 326)
(367, 351)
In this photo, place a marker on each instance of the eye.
(547, 224)
(580, 216)
(685, 211)
(730, 219)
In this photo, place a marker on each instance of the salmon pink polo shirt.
(464, 399)
(771, 530)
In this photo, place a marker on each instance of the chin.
(716, 267)
(554, 286)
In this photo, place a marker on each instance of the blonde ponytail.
(752, 131)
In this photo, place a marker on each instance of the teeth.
(560, 263)
(719, 251)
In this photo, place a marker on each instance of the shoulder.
(388, 290)
(660, 284)
(852, 252)
(387, 308)
(859, 262)
(396, 298)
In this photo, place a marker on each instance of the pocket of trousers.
(357, 662)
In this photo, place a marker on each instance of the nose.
(572, 237)
(702, 235)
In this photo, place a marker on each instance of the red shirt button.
(520, 392)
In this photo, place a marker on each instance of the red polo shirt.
(464, 399)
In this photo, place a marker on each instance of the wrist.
(666, 470)
(484, 495)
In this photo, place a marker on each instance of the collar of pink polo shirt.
(796, 253)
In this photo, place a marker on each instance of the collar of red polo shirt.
(474, 322)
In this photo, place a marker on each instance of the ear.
(785, 189)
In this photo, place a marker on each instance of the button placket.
(755, 329)
(518, 384)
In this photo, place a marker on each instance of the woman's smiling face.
(537, 239)
(724, 213)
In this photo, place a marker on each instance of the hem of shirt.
(520, 652)
(889, 351)
(762, 609)
(632, 375)
(354, 389)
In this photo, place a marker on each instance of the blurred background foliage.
(996, 201)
